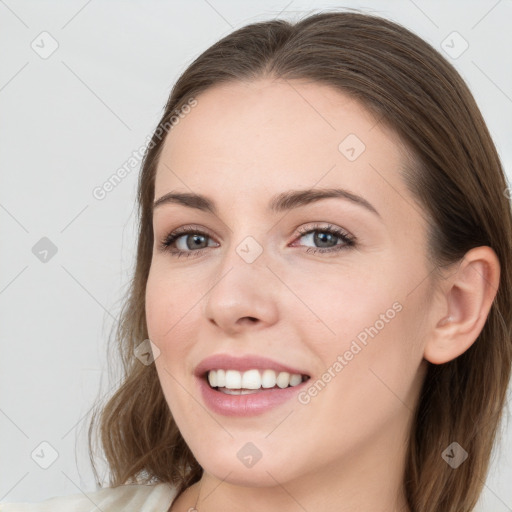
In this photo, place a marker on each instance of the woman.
(323, 270)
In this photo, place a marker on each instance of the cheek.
(155, 305)
(166, 304)
(367, 318)
(171, 317)
(341, 302)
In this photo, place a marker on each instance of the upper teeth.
(252, 379)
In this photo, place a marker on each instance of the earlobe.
(465, 302)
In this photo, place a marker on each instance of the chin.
(236, 474)
(239, 462)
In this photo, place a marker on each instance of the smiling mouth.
(234, 382)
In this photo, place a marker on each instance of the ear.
(464, 302)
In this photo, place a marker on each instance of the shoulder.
(143, 498)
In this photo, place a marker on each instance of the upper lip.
(244, 363)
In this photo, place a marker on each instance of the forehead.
(262, 137)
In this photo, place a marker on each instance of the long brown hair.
(454, 173)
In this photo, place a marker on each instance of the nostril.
(250, 319)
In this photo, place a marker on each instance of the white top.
(124, 498)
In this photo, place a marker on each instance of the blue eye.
(327, 235)
(195, 241)
(197, 237)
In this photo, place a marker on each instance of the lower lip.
(246, 405)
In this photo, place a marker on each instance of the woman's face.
(248, 284)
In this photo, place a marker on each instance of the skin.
(345, 449)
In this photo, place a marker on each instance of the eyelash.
(166, 243)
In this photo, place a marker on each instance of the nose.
(242, 296)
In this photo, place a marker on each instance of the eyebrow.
(281, 202)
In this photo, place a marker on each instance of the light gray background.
(68, 122)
